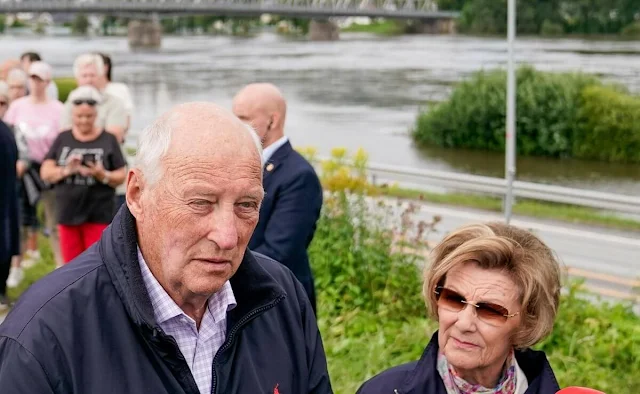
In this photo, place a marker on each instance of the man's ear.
(135, 187)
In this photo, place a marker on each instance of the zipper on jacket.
(232, 334)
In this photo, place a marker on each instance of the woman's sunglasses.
(83, 101)
(486, 311)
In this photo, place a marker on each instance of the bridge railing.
(424, 179)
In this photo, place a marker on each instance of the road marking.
(613, 293)
(603, 277)
(555, 229)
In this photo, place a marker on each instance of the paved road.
(610, 261)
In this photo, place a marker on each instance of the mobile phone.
(88, 159)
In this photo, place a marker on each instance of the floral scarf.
(454, 384)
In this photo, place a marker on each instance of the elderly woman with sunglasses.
(85, 164)
(494, 290)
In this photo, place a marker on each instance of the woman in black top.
(85, 164)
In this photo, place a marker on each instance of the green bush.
(65, 86)
(80, 24)
(474, 116)
(357, 254)
(609, 126)
(549, 28)
(558, 115)
(632, 30)
(594, 345)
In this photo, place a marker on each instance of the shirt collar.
(165, 308)
(271, 149)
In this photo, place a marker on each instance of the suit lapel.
(276, 160)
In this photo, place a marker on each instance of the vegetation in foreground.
(559, 115)
(371, 313)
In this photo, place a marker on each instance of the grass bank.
(386, 27)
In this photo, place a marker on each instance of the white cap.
(41, 70)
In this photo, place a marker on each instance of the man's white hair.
(88, 59)
(154, 142)
(16, 75)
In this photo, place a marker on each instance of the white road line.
(565, 231)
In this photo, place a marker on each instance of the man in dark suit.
(293, 194)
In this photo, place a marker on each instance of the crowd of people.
(198, 279)
(71, 161)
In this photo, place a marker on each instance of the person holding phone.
(85, 165)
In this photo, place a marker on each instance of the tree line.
(549, 17)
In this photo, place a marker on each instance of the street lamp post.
(510, 159)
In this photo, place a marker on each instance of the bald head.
(191, 130)
(263, 106)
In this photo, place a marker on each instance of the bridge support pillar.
(323, 30)
(145, 33)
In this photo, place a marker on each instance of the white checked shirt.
(197, 347)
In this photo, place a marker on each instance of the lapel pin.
(269, 167)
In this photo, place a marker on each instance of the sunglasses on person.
(488, 312)
(90, 102)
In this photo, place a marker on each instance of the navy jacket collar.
(424, 378)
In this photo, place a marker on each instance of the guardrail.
(498, 186)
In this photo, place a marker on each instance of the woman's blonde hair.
(530, 263)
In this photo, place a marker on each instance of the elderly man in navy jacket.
(170, 300)
(293, 194)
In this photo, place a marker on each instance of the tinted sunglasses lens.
(450, 300)
(88, 102)
(492, 313)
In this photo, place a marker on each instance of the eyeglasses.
(90, 102)
(488, 312)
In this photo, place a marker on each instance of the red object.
(579, 390)
(76, 239)
(275, 389)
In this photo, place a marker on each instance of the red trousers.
(76, 239)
